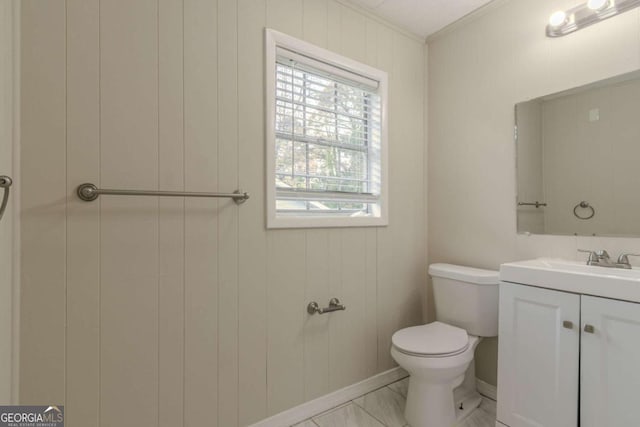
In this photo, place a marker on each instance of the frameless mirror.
(578, 160)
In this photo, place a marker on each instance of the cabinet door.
(538, 357)
(610, 363)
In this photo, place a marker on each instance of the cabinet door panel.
(609, 360)
(538, 357)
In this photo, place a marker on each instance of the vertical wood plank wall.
(172, 312)
(7, 117)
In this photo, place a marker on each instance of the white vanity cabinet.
(567, 359)
(538, 357)
(609, 363)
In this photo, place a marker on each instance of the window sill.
(331, 222)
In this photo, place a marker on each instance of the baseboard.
(486, 389)
(331, 400)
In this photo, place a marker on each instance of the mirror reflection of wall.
(529, 166)
(581, 145)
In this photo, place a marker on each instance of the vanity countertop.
(576, 277)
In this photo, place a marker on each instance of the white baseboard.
(331, 400)
(486, 389)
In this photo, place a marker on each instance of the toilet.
(439, 355)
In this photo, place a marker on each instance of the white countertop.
(576, 277)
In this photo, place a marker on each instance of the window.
(326, 138)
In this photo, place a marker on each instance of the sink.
(577, 277)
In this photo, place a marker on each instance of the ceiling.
(421, 17)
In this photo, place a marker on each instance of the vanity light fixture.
(562, 23)
(558, 19)
(598, 5)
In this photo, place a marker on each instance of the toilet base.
(466, 396)
(432, 404)
(435, 405)
(466, 402)
(429, 405)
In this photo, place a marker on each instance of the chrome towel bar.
(537, 204)
(89, 192)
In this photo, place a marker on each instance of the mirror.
(578, 160)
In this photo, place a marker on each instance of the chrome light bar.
(589, 13)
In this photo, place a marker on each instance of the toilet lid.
(435, 338)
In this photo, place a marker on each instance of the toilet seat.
(435, 339)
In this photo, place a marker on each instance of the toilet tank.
(466, 297)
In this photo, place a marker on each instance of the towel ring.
(584, 205)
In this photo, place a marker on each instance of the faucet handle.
(624, 258)
(587, 251)
(593, 255)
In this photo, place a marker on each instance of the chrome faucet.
(601, 259)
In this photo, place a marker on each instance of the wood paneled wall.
(8, 33)
(172, 312)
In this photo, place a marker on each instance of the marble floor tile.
(479, 418)
(488, 406)
(400, 386)
(385, 408)
(350, 415)
(386, 405)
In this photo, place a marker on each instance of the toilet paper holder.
(334, 305)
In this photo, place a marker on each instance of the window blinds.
(328, 131)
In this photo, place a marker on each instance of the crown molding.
(465, 20)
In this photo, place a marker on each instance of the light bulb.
(597, 5)
(557, 18)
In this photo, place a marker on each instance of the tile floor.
(385, 407)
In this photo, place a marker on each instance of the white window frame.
(273, 40)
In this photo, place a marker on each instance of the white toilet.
(439, 355)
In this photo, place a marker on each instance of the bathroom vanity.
(569, 347)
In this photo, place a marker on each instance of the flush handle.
(589, 329)
(567, 324)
